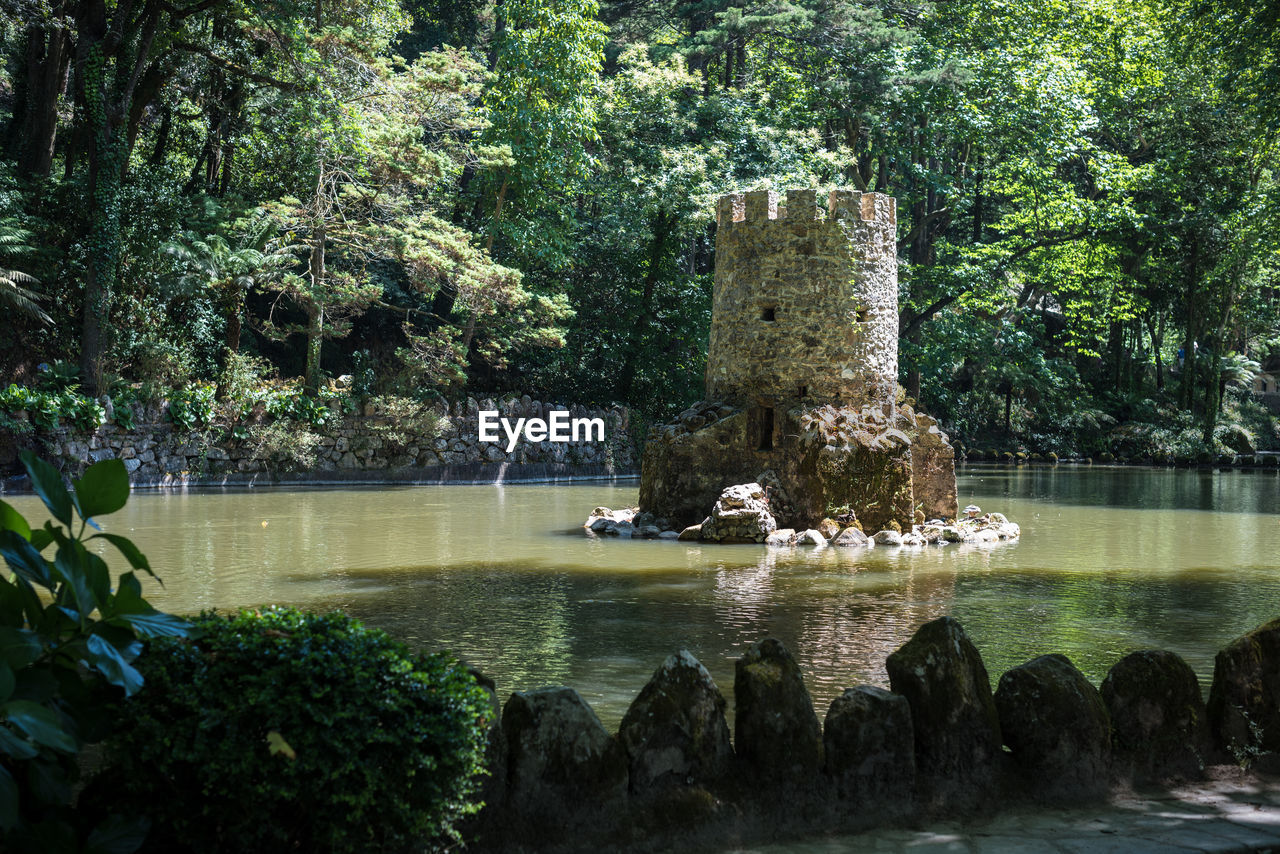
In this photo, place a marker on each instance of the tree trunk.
(315, 335)
(315, 305)
(497, 212)
(106, 80)
(913, 375)
(663, 225)
(34, 126)
(231, 346)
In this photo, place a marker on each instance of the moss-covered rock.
(1057, 728)
(675, 732)
(953, 716)
(775, 729)
(1244, 701)
(869, 746)
(1159, 723)
(562, 764)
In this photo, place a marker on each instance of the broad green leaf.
(71, 566)
(18, 647)
(118, 835)
(136, 559)
(49, 781)
(10, 603)
(154, 624)
(47, 483)
(99, 577)
(129, 595)
(103, 489)
(8, 800)
(24, 560)
(108, 661)
(129, 609)
(40, 723)
(41, 538)
(14, 746)
(7, 682)
(12, 520)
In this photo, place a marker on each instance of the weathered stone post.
(957, 730)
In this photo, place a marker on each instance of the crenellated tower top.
(806, 299)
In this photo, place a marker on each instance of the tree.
(257, 260)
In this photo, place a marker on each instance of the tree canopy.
(495, 195)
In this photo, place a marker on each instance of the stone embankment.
(940, 743)
(407, 444)
(741, 515)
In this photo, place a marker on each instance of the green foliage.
(280, 730)
(70, 643)
(1084, 189)
(192, 407)
(48, 409)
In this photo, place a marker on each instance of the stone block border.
(940, 745)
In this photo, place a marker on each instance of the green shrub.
(192, 407)
(47, 408)
(282, 730)
(68, 642)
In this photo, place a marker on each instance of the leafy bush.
(60, 376)
(58, 661)
(289, 401)
(47, 408)
(364, 375)
(283, 730)
(281, 445)
(191, 407)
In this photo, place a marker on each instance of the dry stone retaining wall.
(437, 445)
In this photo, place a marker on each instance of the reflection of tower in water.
(839, 614)
(845, 642)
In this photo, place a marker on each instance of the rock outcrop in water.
(957, 730)
(869, 747)
(776, 731)
(742, 514)
(1244, 701)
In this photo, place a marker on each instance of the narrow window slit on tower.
(766, 428)
(769, 313)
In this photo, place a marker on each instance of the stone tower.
(806, 299)
(802, 374)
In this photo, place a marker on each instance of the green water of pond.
(1111, 560)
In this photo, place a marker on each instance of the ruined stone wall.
(806, 299)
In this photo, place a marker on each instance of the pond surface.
(1111, 560)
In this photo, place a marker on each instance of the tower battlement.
(806, 299)
(803, 206)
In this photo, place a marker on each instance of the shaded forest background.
(205, 197)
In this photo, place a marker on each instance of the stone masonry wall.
(789, 321)
(437, 444)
